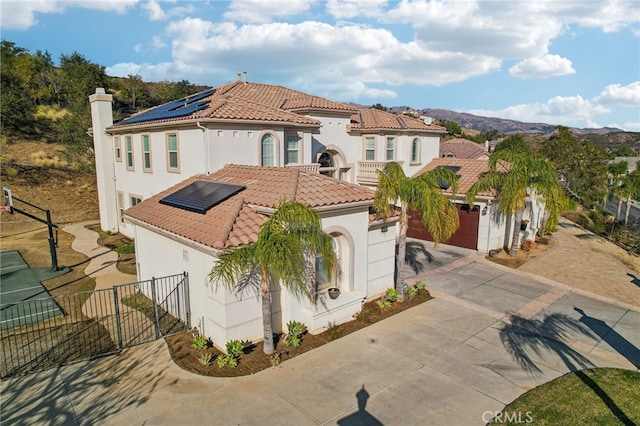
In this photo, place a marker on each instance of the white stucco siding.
(216, 311)
(381, 259)
(491, 228)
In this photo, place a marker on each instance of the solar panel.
(174, 109)
(200, 196)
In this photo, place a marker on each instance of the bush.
(421, 285)
(411, 292)
(205, 358)
(391, 295)
(200, 342)
(224, 361)
(295, 329)
(125, 249)
(234, 348)
(384, 304)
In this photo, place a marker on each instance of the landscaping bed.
(253, 359)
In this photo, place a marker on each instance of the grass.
(601, 396)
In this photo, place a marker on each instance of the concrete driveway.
(490, 335)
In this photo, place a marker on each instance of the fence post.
(118, 326)
(187, 301)
(155, 306)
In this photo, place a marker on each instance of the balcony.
(313, 167)
(367, 171)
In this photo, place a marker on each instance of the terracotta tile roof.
(470, 171)
(235, 221)
(462, 148)
(253, 102)
(374, 119)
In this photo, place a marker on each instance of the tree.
(81, 77)
(281, 254)
(628, 189)
(453, 128)
(517, 174)
(422, 193)
(17, 109)
(582, 164)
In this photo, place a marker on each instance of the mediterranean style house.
(184, 227)
(246, 123)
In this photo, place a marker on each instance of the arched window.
(267, 150)
(415, 150)
(323, 281)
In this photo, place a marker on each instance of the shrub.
(275, 359)
(226, 361)
(421, 285)
(234, 348)
(384, 304)
(292, 341)
(125, 249)
(391, 295)
(410, 291)
(363, 316)
(205, 358)
(295, 328)
(200, 342)
(334, 332)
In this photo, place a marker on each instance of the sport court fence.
(91, 324)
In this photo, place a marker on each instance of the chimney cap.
(100, 90)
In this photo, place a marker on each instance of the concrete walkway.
(490, 334)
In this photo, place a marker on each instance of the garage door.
(466, 236)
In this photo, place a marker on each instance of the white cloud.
(617, 94)
(154, 10)
(124, 69)
(137, 48)
(22, 15)
(565, 110)
(345, 9)
(260, 11)
(631, 126)
(349, 53)
(158, 43)
(542, 67)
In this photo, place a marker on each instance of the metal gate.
(92, 323)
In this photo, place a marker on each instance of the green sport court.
(23, 298)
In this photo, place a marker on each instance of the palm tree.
(629, 189)
(281, 254)
(517, 174)
(422, 193)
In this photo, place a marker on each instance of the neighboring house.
(631, 162)
(246, 123)
(482, 227)
(183, 228)
(463, 148)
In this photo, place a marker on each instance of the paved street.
(490, 334)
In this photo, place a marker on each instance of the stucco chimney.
(245, 77)
(101, 119)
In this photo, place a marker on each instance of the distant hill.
(609, 138)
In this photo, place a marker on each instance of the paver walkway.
(102, 268)
(450, 361)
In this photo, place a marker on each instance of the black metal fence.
(34, 335)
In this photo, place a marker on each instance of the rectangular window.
(117, 148)
(173, 158)
(293, 148)
(129, 149)
(391, 144)
(135, 200)
(370, 149)
(146, 153)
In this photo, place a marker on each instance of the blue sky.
(575, 63)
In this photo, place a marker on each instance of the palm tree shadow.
(634, 280)
(417, 256)
(524, 338)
